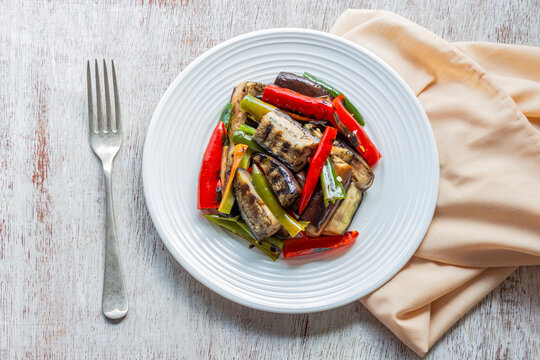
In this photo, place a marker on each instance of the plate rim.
(195, 273)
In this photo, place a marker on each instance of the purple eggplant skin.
(301, 177)
(280, 178)
(315, 211)
(300, 85)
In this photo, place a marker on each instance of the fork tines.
(112, 120)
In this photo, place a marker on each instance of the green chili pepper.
(255, 107)
(332, 187)
(265, 192)
(241, 137)
(271, 246)
(278, 243)
(244, 163)
(332, 90)
(225, 116)
(247, 129)
(335, 93)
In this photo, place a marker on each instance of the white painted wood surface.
(51, 197)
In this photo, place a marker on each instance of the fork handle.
(114, 302)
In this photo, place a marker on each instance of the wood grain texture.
(51, 198)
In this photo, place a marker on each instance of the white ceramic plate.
(394, 215)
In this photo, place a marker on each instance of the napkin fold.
(483, 103)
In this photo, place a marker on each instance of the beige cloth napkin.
(482, 100)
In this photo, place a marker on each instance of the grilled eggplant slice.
(238, 117)
(342, 218)
(286, 139)
(280, 178)
(258, 217)
(316, 213)
(362, 173)
(300, 85)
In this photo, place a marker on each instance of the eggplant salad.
(287, 165)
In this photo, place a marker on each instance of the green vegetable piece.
(335, 93)
(241, 137)
(263, 189)
(332, 188)
(272, 246)
(326, 86)
(247, 129)
(244, 163)
(225, 116)
(255, 107)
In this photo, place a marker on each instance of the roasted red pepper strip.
(365, 146)
(207, 191)
(292, 101)
(314, 245)
(316, 166)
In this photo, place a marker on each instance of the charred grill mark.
(285, 139)
(274, 180)
(280, 179)
(249, 196)
(272, 168)
(267, 131)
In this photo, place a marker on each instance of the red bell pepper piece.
(207, 191)
(313, 245)
(316, 166)
(287, 99)
(365, 147)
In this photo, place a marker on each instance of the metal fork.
(105, 139)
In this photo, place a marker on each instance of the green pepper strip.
(241, 137)
(265, 192)
(332, 188)
(247, 129)
(225, 116)
(271, 246)
(335, 93)
(255, 107)
(244, 163)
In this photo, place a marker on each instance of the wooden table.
(52, 210)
